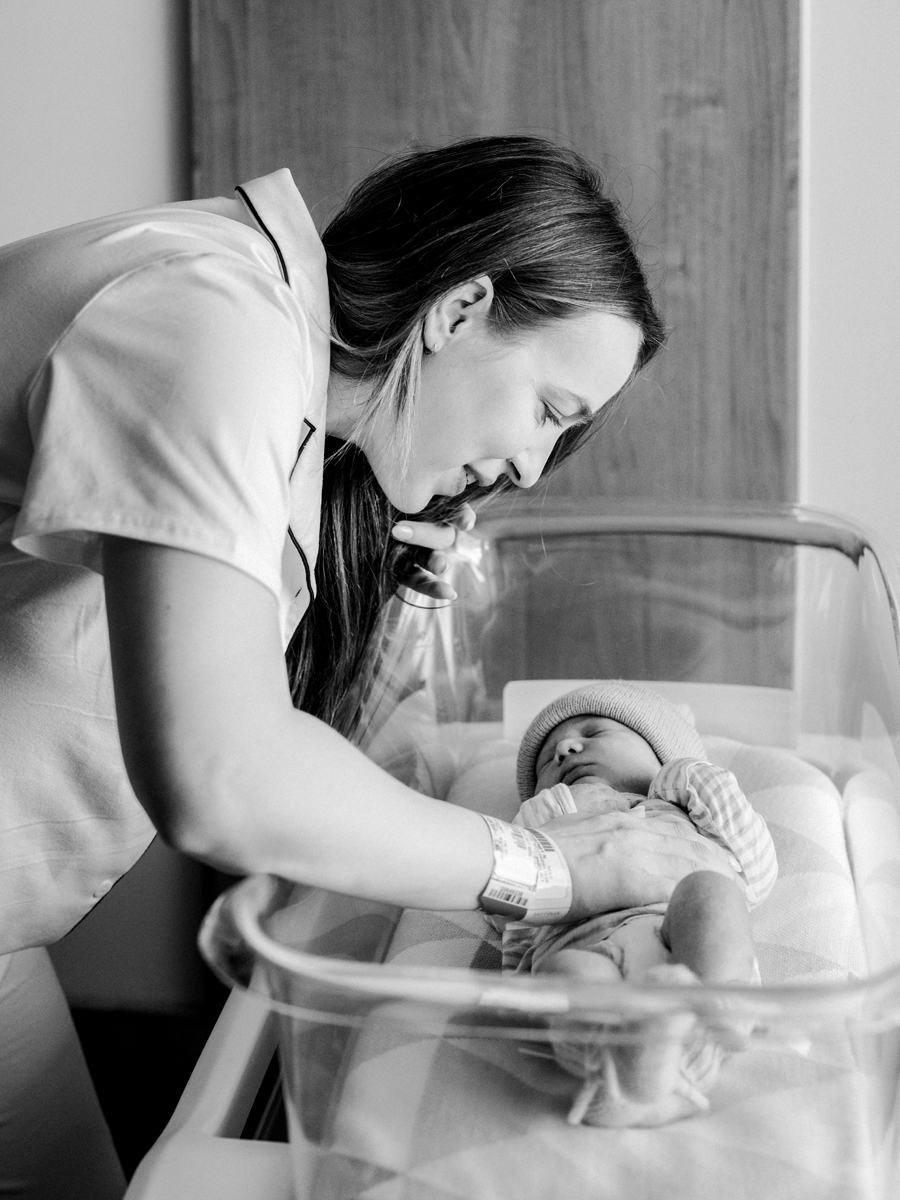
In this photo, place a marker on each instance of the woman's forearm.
(232, 774)
(307, 805)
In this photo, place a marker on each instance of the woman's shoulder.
(213, 278)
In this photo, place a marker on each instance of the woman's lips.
(466, 478)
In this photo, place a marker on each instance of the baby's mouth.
(572, 771)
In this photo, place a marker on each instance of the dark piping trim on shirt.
(299, 550)
(311, 431)
(243, 195)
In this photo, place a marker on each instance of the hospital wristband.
(530, 881)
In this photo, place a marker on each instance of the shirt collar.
(279, 210)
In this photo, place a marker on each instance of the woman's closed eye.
(550, 414)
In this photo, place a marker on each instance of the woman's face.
(491, 405)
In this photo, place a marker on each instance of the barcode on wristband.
(507, 895)
(504, 902)
(530, 880)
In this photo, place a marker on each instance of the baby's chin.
(593, 781)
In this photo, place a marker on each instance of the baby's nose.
(568, 746)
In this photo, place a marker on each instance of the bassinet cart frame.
(201, 1153)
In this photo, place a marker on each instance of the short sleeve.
(171, 411)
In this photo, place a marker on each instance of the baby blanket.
(433, 1115)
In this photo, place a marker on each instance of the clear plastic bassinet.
(413, 1068)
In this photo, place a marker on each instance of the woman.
(169, 379)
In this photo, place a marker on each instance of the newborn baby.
(614, 746)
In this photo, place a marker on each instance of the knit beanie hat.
(668, 728)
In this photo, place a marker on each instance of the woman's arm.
(233, 775)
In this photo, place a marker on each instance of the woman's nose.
(567, 746)
(525, 469)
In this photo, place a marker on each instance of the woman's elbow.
(201, 820)
(213, 839)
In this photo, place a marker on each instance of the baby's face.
(597, 749)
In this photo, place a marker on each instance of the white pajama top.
(163, 377)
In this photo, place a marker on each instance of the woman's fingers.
(424, 533)
(433, 536)
(622, 860)
(426, 584)
(679, 855)
(466, 518)
(439, 539)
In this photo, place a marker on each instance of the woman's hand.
(621, 860)
(437, 538)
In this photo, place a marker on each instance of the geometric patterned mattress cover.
(435, 1118)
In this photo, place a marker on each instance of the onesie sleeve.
(556, 801)
(170, 411)
(712, 798)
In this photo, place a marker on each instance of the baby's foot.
(721, 1016)
(649, 1066)
(668, 975)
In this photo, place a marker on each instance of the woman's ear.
(457, 313)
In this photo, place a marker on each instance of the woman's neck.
(347, 399)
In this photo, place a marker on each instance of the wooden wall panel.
(689, 106)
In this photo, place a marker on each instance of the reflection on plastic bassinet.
(413, 1069)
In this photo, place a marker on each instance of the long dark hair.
(533, 216)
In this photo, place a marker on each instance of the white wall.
(93, 119)
(93, 109)
(850, 262)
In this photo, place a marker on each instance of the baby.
(614, 746)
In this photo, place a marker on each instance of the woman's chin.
(412, 500)
(408, 498)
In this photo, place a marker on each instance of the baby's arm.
(712, 798)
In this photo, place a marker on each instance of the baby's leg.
(632, 1072)
(585, 964)
(707, 928)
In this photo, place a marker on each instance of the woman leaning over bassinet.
(204, 412)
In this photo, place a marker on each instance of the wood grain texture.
(689, 107)
(640, 606)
